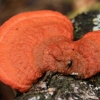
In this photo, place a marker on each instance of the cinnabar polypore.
(85, 57)
(32, 43)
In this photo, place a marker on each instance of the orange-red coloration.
(32, 43)
(86, 56)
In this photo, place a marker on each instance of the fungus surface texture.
(85, 56)
(32, 43)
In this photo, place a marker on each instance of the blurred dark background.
(70, 8)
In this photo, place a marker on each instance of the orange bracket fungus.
(32, 43)
(85, 57)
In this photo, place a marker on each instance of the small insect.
(70, 63)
